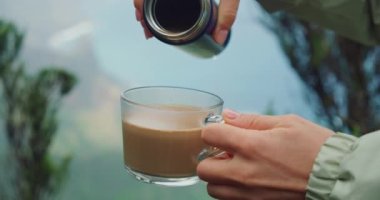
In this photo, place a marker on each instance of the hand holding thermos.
(201, 28)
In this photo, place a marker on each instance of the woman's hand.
(226, 17)
(269, 157)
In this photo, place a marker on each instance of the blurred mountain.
(41, 18)
(58, 33)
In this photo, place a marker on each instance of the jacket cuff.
(326, 167)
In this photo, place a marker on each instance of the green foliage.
(10, 44)
(341, 76)
(30, 110)
(269, 110)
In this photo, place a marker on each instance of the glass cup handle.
(211, 151)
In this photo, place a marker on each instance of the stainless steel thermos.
(187, 24)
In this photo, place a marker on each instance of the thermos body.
(186, 24)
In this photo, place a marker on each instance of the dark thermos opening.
(187, 24)
(177, 15)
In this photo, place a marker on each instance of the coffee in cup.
(162, 132)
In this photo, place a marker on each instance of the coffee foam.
(167, 118)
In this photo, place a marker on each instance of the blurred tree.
(29, 107)
(342, 77)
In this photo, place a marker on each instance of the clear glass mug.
(162, 132)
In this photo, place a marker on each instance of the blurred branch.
(30, 109)
(341, 76)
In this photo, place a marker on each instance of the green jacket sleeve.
(347, 168)
(355, 19)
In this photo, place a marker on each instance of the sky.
(250, 75)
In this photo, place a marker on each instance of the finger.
(229, 192)
(138, 15)
(217, 170)
(225, 137)
(251, 121)
(227, 13)
(139, 5)
(226, 16)
(147, 33)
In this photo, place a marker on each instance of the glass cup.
(162, 132)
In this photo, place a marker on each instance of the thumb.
(226, 16)
(250, 121)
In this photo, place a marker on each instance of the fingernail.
(138, 15)
(147, 34)
(230, 114)
(221, 36)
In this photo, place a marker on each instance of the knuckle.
(206, 131)
(253, 121)
(227, 19)
(229, 14)
(247, 146)
(242, 147)
(211, 134)
(246, 176)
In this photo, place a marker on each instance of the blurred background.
(63, 65)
